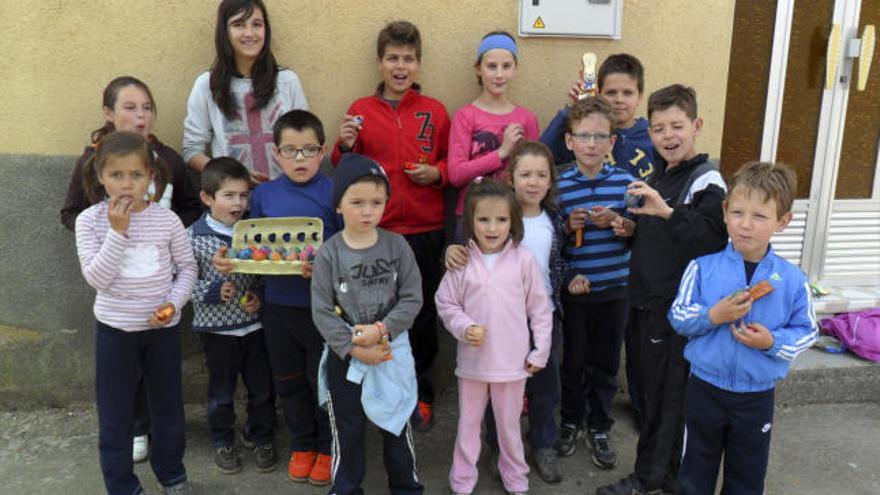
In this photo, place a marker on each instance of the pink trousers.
(507, 404)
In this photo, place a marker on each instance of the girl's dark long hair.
(111, 93)
(116, 144)
(265, 69)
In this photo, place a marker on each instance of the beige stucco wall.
(58, 56)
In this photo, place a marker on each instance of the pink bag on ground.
(859, 331)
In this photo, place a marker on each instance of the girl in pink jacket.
(489, 307)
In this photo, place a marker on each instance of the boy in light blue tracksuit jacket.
(739, 345)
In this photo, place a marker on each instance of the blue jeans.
(227, 357)
(119, 357)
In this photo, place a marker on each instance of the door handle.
(832, 56)
(866, 56)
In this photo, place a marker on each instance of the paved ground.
(817, 449)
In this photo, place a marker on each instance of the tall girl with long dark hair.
(232, 107)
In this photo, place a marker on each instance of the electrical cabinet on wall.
(570, 18)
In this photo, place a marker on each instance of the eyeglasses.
(309, 151)
(583, 137)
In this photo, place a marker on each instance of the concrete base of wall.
(46, 322)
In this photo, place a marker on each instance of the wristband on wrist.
(383, 332)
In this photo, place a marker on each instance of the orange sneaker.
(300, 466)
(320, 475)
(423, 416)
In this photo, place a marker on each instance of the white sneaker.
(141, 449)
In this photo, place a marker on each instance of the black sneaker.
(627, 486)
(567, 442)
(603, 454)
(265, 458)
(544, 461)
(227, 460)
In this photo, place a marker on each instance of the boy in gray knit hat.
(366, 292)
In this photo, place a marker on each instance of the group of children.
(558, 258)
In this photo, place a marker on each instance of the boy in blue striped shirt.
(591, 196)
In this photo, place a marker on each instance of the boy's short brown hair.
(221, 169)
(399, 33)
(776, 181)
(586, 107)
(675, 95)
(623, 63)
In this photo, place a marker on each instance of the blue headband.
(494, 41)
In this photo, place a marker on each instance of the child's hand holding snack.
(162, 315)
(731, 308)
(250, 302)
(653, 205)
(348, 132)
(602, 216)
(475, 334)
(753, 334)
(366, 335)
(221, 262)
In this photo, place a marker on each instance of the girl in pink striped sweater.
(489, 307)
(137, 257)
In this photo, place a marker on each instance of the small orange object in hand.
(165, 313)
(760, 290)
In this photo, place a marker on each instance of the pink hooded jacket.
(507, 300)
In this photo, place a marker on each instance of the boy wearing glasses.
(407, 133)
(292, 339)
(596, 303)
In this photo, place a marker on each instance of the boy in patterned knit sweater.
(227, 318)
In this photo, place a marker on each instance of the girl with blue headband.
(484, 132)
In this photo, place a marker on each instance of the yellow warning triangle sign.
(539, 23)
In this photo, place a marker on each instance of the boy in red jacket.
(407, 134)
